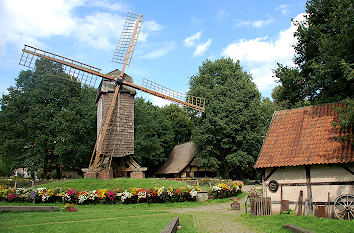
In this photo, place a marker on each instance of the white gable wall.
(318, 173)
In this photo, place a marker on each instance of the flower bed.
(223, 190)
(70, 195)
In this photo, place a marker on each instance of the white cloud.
(222, 14)
(284, 9)
(254, 24)
(100, 30)
(27, 21)
(149, 26)
(190, 41)
(32, 21)
(260, 55)
(159, 101)
(152, 26)
(3, 90)
(163, 50)
(108, 5)
(202, 48)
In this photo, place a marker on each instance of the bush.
(10, 182)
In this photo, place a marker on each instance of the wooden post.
(309, 189)
(298, 207)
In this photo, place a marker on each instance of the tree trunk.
(45, 165)
(58, 175)
(226, 169)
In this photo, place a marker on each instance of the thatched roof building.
(183, 163)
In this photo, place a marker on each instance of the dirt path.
(217, 217)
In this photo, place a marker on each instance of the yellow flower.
(103, 193)
(50, 192)
(134, 191)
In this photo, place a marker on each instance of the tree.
(345, 121)
(47, 122)
(324, 55)
(267, 109)
(291, 92)
(180, 122)
(153, 135)
(229, 134)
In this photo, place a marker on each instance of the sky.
(176, 36)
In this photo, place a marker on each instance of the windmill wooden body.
(115, 122)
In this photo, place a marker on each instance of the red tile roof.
(304, 136)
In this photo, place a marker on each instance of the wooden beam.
(296, 229)
(319, 183)
(171, 226)
(295, 202)
(347, 169)
(270, 174)
(28, 208)
(308, 182)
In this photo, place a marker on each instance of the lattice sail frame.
(87, 75)
(76, 70)
(194, 102)
(132, 27)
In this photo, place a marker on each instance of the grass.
(275, 223)
(122, 183)
(98, 218)
(152, 217)
(102, 218)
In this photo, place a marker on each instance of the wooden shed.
(182, 162)
(301, 152)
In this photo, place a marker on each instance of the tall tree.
(324, 55)
(153, 135)
(325, 49)
(180, 121)
(291, 92)
(47, 122)
(229, 134)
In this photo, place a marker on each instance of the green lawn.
(275, 223)
(154, 217)
(122, 183)
(98, 218)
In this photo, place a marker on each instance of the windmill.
(109, 137)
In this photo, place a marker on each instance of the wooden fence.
(261, 206)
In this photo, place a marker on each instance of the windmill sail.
(126, 45)
(80, 72)
(88, 75)
(153, 88)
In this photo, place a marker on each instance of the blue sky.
(176, 37)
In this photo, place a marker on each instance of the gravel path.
(217, 217)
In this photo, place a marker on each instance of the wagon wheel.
(344, 206)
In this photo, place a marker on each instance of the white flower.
(45, 197)
(125, 195)
(83, 197)
(20, 191)
(66, 197)
(160, 191)
(142, 194)
(169, 193)
(193, 193)
(216, 188)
